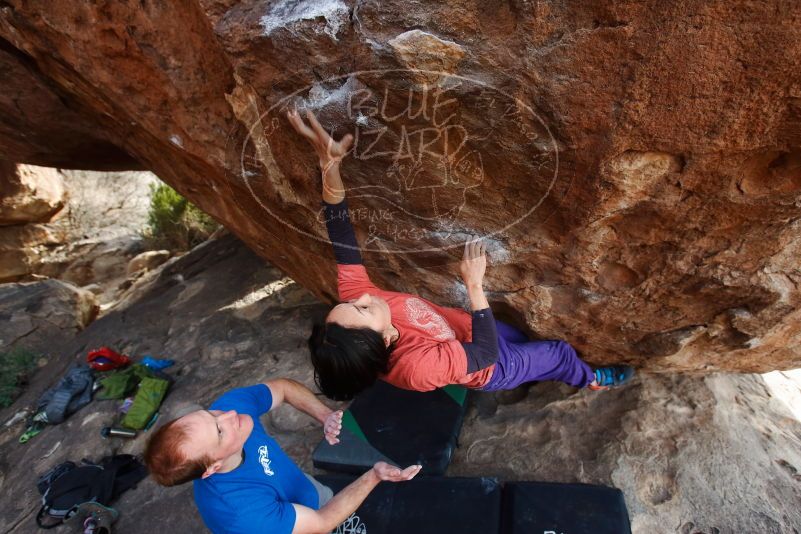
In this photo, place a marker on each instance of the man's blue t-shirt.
(257, 496)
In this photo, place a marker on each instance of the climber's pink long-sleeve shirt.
(428, 354)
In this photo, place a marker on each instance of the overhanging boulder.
(635, 169)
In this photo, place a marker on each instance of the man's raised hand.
(390, 473)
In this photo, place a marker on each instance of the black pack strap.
(40, 515)
(75, 480)
(44, 481)
(103, 488)
(128, 477)
(123, 472)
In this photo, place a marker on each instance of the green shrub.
(15, 364)
(174, 222)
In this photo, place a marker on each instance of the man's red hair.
(166, 460)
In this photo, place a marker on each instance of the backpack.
(44, 481)
(65, 487)
(72, 392)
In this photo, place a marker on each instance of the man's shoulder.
(257, 397)
(226, 494)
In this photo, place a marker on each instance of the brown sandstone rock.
(41, 316)
(100, 228)
(421, 51)
(635, 168)
(147, 260)
(19, 249)
(41, 124)
(29, 194)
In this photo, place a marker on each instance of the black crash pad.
(385, 423)
(546, 507)
(429, 505)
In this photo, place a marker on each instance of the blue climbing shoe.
(612, 377)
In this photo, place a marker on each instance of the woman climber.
(410, 342)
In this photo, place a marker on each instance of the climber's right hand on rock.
(472, 268)
(474, 262)
(328, 151)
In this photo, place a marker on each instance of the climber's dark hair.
(346, 360)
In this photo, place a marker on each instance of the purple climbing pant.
(522, 361)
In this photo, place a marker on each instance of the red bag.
(105, 359)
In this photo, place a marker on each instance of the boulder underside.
(636, 170)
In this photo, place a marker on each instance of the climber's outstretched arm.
(330, 154)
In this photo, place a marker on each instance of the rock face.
(635, 169)
(100, 231)
(692, 454)
(29, 194)
(41, 122)
(98, 228)
(20, 247)
(147, 261)
(43, 315)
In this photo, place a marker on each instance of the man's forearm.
(301, 398)
(344, 503)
